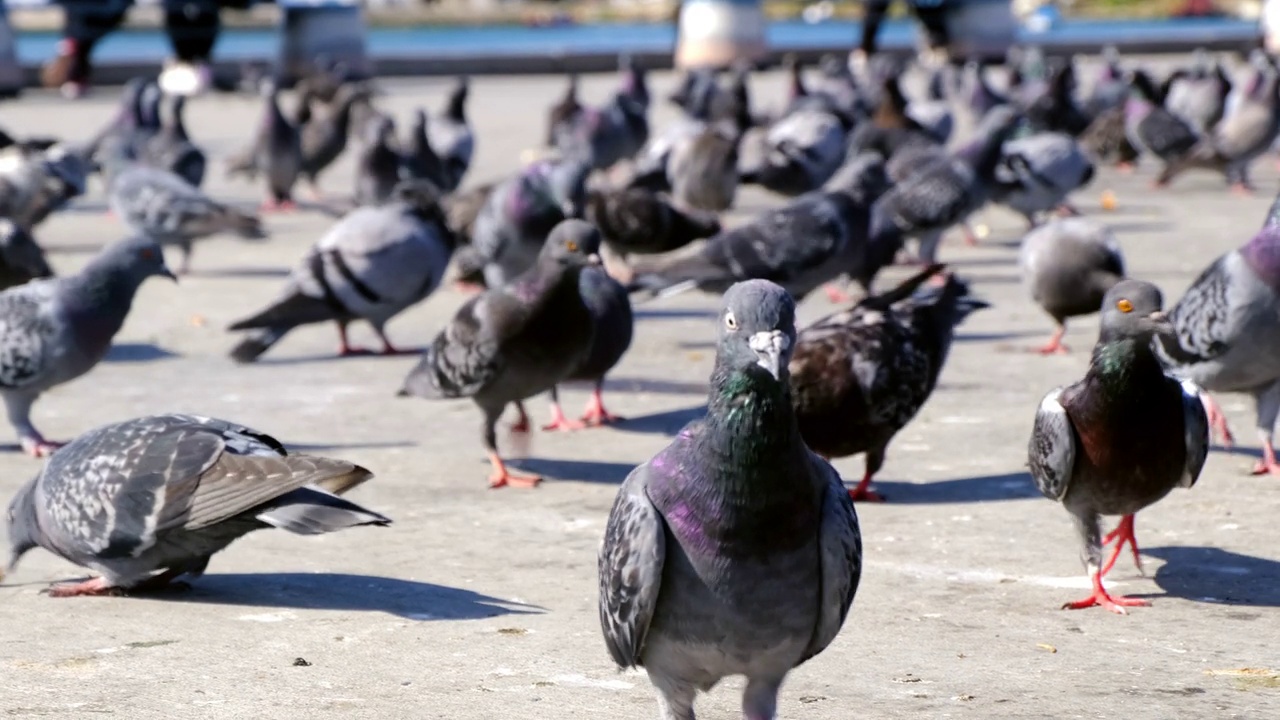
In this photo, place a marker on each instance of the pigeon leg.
(388, 348)
(344, 347)
(1240, 187)
(95, 587)
(1217, 420)
(502, 477)
(1267, 465)
(1121, 535)
(675, 699)
(862, 493)
(760, 699)
(595, 414)
(39, 447)
(1055, 346)
(185, 267)
(1066, 209)
(521, 425)
(558, 419)
(1125, 167)
(18, 409)
(1100, 596)
(971, 238)
(836, 295)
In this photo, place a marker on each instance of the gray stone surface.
(480, 604)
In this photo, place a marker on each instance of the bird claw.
(349, 351)
(95, 587)
(1114, 603)
(278, 206)
(1053, 348)
(865, 495)
(596, 417)
(836, 295)
(1262, 467)
(505, 479)
(39, 447)
(563, 424)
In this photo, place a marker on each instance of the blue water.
(518, 40)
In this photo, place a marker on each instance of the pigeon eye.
(571, 246)
(730, 321)
(1124, 306)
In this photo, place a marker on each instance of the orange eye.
(571, 246)
(1124, 306)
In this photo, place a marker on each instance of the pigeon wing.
(630, 565)
(1052, 450)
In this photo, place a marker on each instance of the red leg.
(1125, 167)
(1242, 188)
(39, 447)
(970, 238)
(521, 425)
(1055, 345)
(1114, 603)
(595, 414)
(862, 493)
(559, 422)
(1121, 535)
(389, 349)
(1267, 465)
(94, 587)
(273, 205)
(469, 288)
(836, 295)
(1217, 420)
(502, 477)
(344, 347)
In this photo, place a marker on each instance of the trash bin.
(981, 29)
(314, 29)
(718, 33)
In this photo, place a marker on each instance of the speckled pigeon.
(515, 341)
(1151, 127)
(1198, 95)
(21, 258)
(1038, 172)
(1120, 439)
(276, 152)
(171, 211)
(800, 152)
(1068, 265)
(146, 501)
(860, 375)
(451, 136)
(374, 264)
(735, 550)
(1227, 334)
(53, 331)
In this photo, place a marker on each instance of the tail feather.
(313, 511)
(904, 289)
(668, 276)
(252, 347)
(244, 224)
(288, 313)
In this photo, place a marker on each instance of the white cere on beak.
(770, 346)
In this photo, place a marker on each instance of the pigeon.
(1106, 139)
(323, 81)
(418, 160)
(148, 500)
(451, 136)
(324, 137)
(171, 149)
(614, 325)
(1120, 439)
(1056, 110)
(1037, 172)
(276, 152)
(1198, 95)
(21, 258)
(801, 151)
(860, 375)
(947, 191)
(1227, 333)
(374, 264)
(892, 130)
(933, 114)
(1239, 138)
(804, 99)
(1068, 265)
(36, 143)
(515, 341)
(127, 130)
(811, 240)
(171, 211)
(378, 168)
(1109, 88)
(613, 132)
(977, 96)
(735, 550)
(562, 115)
(53, 331)
(34, 183)
(642, 222)
(515, 219)
(1152, 128)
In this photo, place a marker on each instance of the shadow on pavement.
(1213, 575)
(985, 488)
(337, 591)
(553, 470)
(643, 313)
(370, 445)
(236, 272)
(652, 385)
(996, 337)
(667, 422)
(137, 352)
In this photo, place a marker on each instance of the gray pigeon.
(171, 211)
(21, 258)
(610, 308)
(53, 331)
(374, 264)
(1068, 265)
(801, 151)
(324, 136)
(1150, 127)
(1109, 87)
(276, 152)
(146, 501)
(515, 341)
(171, 149)
(514, 221)
(1198, 95)
(35, 183)
(1120, 439)
(811, 240)
(451, 136)
(946, 192)
(418, 160)
(735, 550)
(1227, 334)
(1037, 172)
(613, 132)
(378, 167)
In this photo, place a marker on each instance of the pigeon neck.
(99, 298)
(1262, 254)
(751, 425)
(24, 525)
(1124, 366)
(983, 154)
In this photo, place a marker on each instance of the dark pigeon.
(735, 550)
(418, 160)
(324, 136)
(146, 501)
(171, 148)
(378, 166)
(636, 221)
(276, 152)
(610, 307)
(451, 135)
(1120, 439)
(1152, 128)
(21, 257)
(1198, 94)
(613, 132)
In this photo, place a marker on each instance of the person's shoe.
(184, 78)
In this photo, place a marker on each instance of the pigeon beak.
(593, 259)
(1161, 322)
(770, 348)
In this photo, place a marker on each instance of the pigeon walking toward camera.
(735, 550)
(1068, 265)
(860, 375)
(53, 331)
(276, 152)
(1120, 439)
(1227, 334)
(374, 264)
(21, 258)
(515, 341)
(146, 501)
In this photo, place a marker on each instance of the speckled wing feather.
(630, 566)
(1201, 319)
(165, 206)
(785, 242)
(1166, 135)
(27, 332)
(466, 356)
(840, 547)
(1052, 450)
(935, 197)
(1195, 423)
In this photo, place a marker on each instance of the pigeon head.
(757, 329)
(132, 260)
(21, 253)
(380, 130)
(572, 243)
(23, 528)
(456, 107)
(1144, 88)
(567, 184)
(1133, 309)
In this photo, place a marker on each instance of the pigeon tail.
(312, 511)
(245, 225)
(252, 347)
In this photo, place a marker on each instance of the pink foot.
(39, 447)
(1100, 597)
(1121, 535)
(595, 415)
(96, 587)
(521, 425)
(1217, 420)
(559, 422)
(1055, 345)
(836, 295)
(278, 206)
(350, 351)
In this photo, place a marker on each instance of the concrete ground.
(480, 604)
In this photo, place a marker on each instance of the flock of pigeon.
(735, 550)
